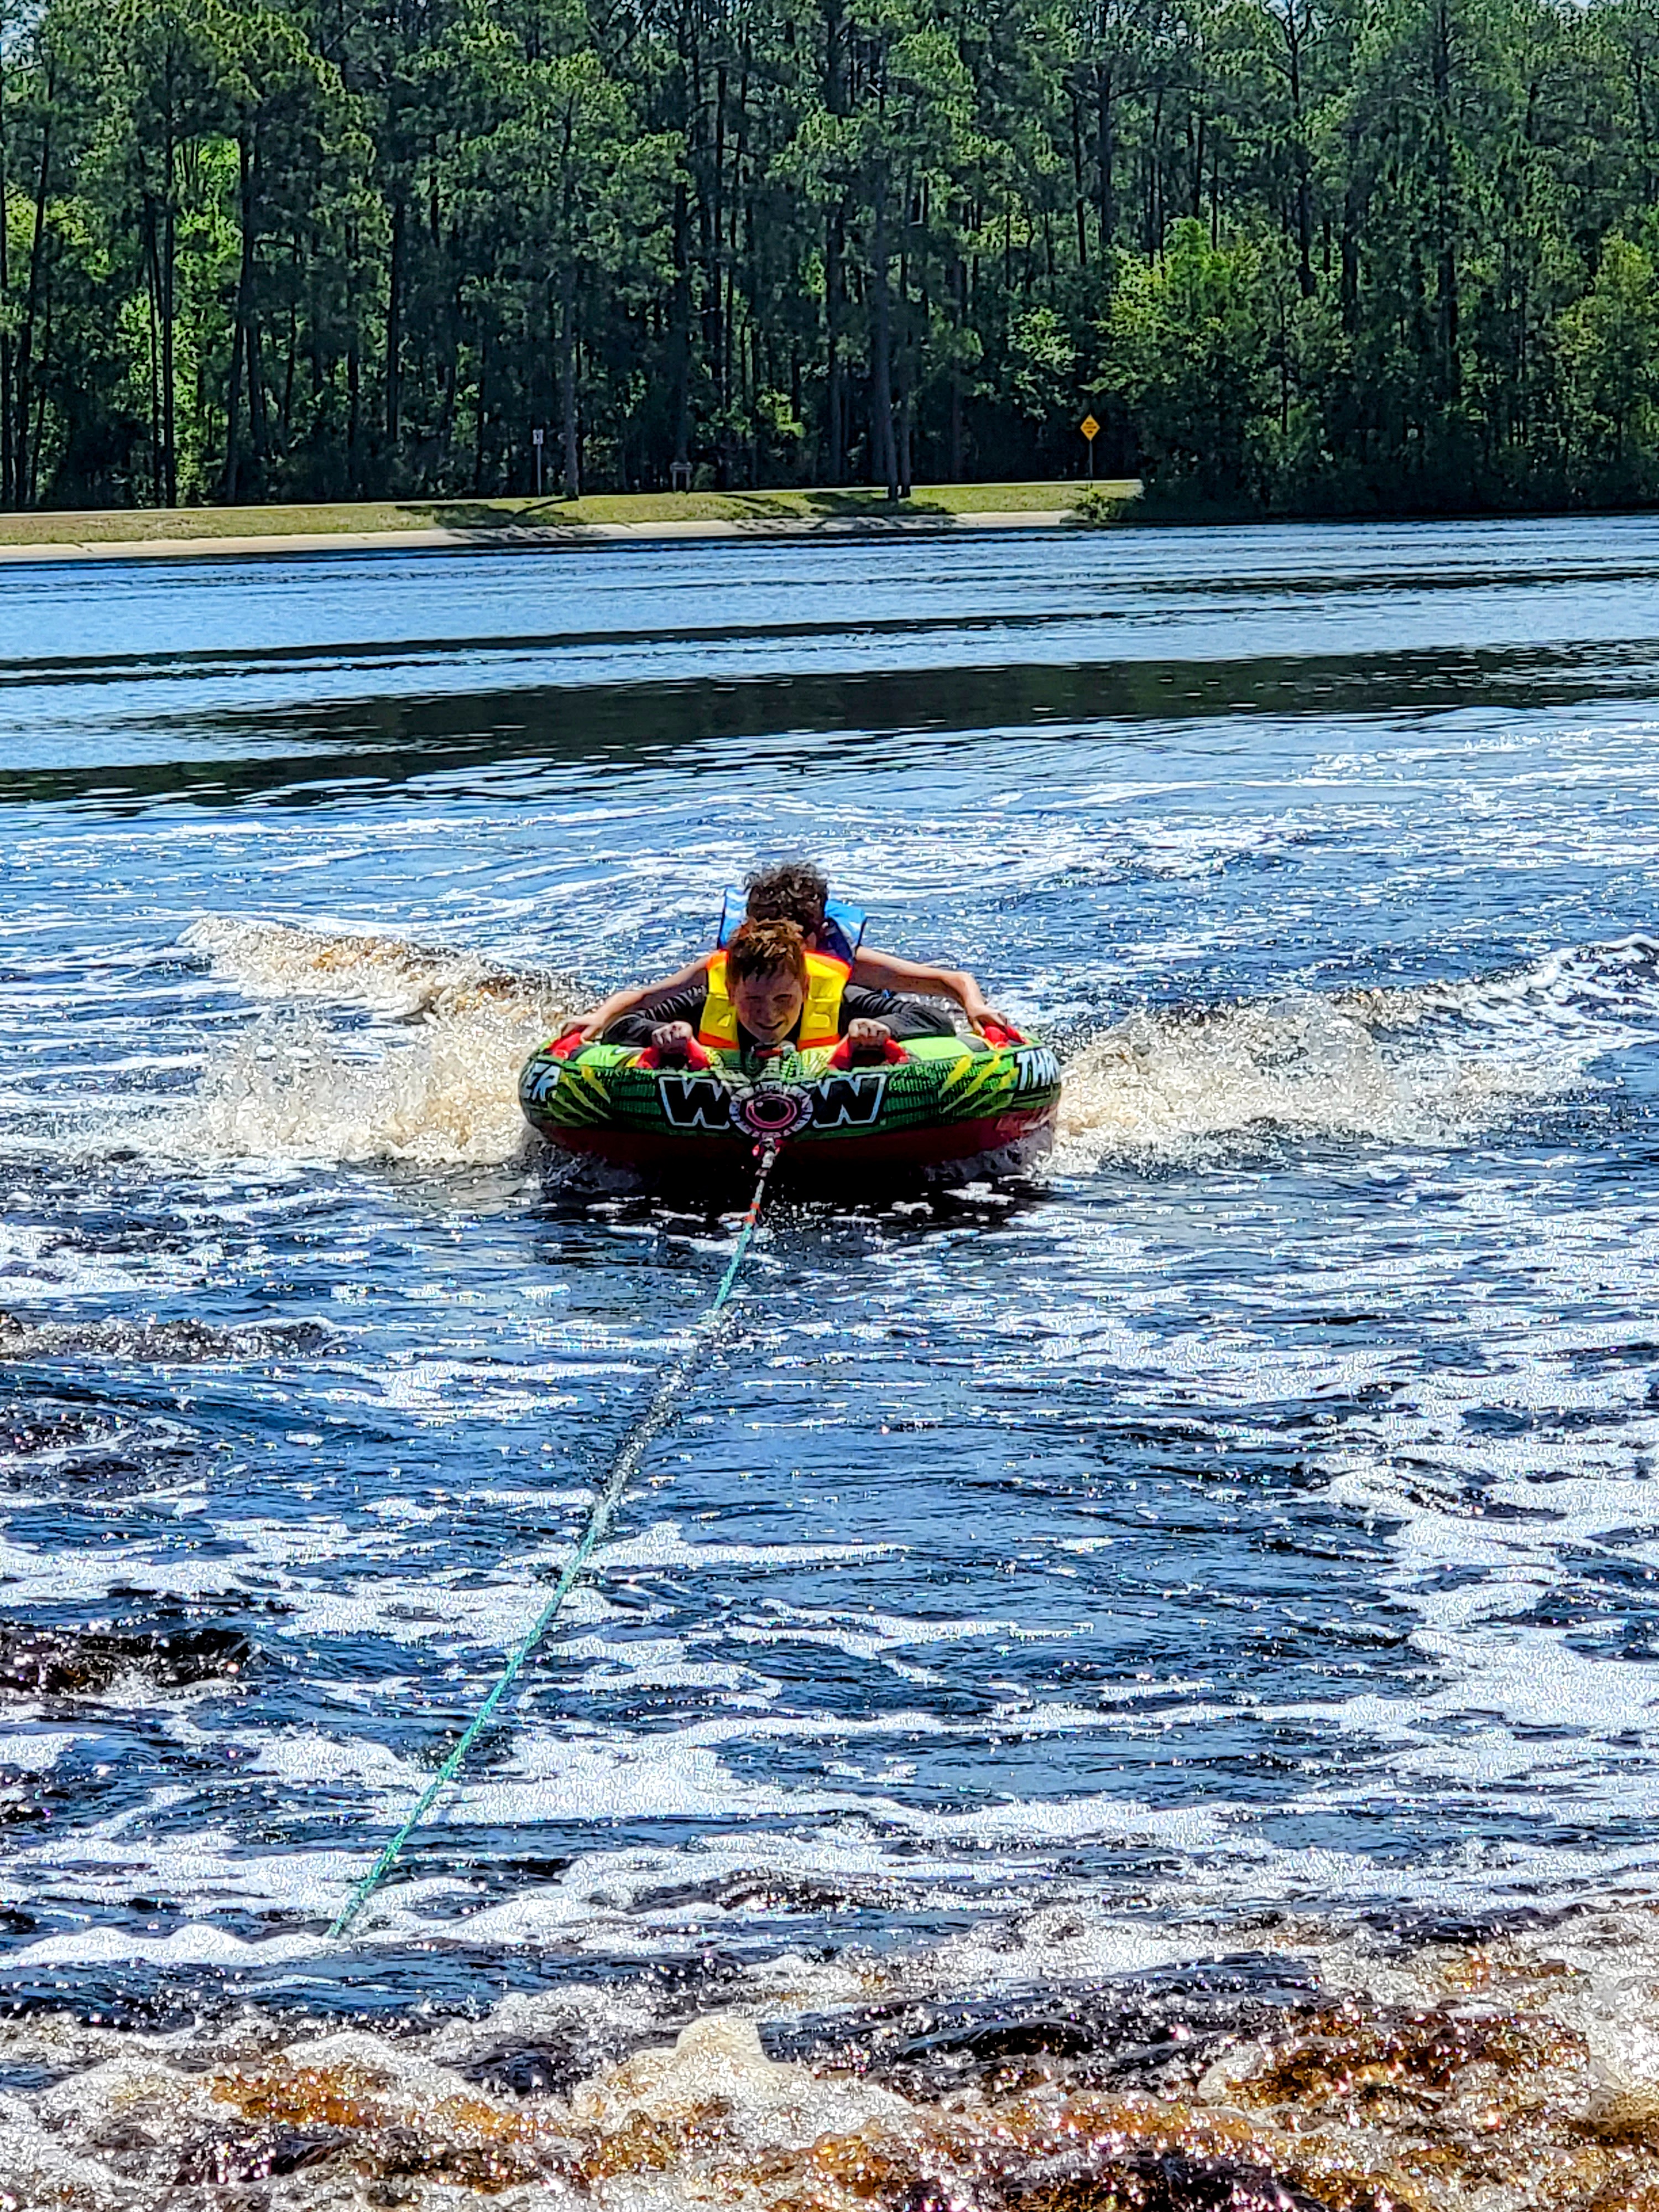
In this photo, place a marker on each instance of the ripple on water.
(1133, 1690)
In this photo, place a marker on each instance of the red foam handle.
(688, 1055)
(571, 1041)
(892, 1052)
(995, 1033)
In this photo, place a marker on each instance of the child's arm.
(612, 1009)
(885, 971)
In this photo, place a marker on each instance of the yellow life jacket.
(820, 1016)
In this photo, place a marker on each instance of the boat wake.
(426, 1069)
(392, 975)
(1430, 1063)
(430, 1076)
(1302, 2072)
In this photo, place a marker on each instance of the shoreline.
(510, 534)
(570, 537)
(507, 531)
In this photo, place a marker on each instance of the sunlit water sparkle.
(1251, 1525)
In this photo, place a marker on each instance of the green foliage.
(1187, 354)
(1609, 349)
(1043, 361)
(1297, 255)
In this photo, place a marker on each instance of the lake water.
(1108, 1639)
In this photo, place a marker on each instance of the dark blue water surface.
(1255, 1516)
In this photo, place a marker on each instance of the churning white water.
(1138, 1688)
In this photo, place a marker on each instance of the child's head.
(793, 890)
(766, 976)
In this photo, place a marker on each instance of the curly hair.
(792, 890)
(762, 948)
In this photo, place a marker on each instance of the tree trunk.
(1197, 206)
(738, 252)
(960, 288)
(1352, 217)
(291, 364)
(232, 414)
(32, 302)
(33, 488)
(244, 363)
(1079, 200)
(1447, 243)
(258, 432)
(1215, 197)
(482, 417)
(168, 303)
(354, 414)
(1293, 31)
(680, 326)
(153, 296)
(169, 290)
(7, 494)
(834, 242)
(394, 320)
(1638, 100)
(714, 321)
(835, 257)
(573, 464)
(881, 350)
(1106, 163)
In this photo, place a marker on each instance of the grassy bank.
(334, 518)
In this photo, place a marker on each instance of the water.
(1192, 1616)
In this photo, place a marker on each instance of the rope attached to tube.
(655, 1417)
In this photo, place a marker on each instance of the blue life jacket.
(841, 934)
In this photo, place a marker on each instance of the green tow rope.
(656, 1418)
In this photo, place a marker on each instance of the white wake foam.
(368, 968)
(432, 1076)
(441, 1091)
(1430, 1063)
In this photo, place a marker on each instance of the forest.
(1296, 256)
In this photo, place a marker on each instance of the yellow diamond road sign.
(1089, 427)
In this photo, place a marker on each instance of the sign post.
(538, 439)
(1091, 430)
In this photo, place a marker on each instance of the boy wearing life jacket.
(765, 991)
(797, 892)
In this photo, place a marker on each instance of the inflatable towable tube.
(938, 1109)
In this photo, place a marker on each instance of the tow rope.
(655, 1417)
